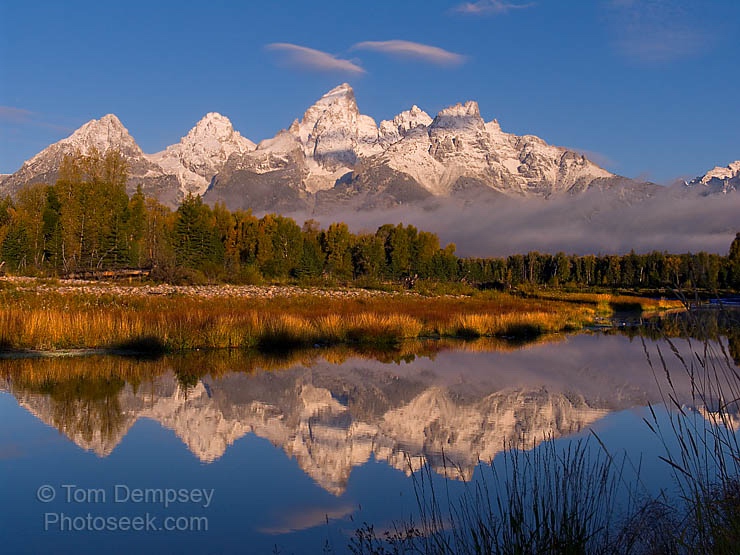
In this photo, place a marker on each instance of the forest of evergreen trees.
(87, 221)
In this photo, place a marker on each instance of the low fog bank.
(592, 223)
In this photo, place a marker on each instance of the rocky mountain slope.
(106, 133)
(332, 155)
(202, 153)
(453, 174)
(718, 180)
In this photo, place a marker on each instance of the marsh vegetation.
(44, 319)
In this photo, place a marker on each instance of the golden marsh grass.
(48, 320)
(608, 302)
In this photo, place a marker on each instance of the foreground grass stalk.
(547, 500)
(702, 448)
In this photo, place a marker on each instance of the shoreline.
(37, 316)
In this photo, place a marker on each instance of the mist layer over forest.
(595, 222)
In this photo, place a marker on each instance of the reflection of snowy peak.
(78, 422)
(433, 423)
(329, 427)
(728, 417)
(202, 153)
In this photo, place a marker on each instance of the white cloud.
(311, 59)
(485, 7)
(11, 114)
(407, 49)
(306, 518)
(20, 117)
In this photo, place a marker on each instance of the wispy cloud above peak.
(11, 114)
(489, 7)
(408, 49)
(20, 117)
(310, 59)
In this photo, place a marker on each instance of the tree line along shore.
(86, 222)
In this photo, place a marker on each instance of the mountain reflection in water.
(334, 410)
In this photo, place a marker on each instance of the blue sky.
(649, 88)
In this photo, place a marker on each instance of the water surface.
(292, 453)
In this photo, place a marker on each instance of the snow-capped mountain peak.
(338, 106)
(459, 110)
(722, 179)
(394, 130)
(343, 91)
(459, 116)
(332, 144)
(202, 153)
(458, 149)
(215, 126)
(334, 133)
(729, 171)
(102, 134)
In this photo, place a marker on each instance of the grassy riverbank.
(50, 316)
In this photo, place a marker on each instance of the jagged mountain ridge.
(202, 153)
(721, 179)
(104, 134)
(332, 145)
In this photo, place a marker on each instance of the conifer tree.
(196, 240)
(734, 262)
(135, 229)
(311, 263)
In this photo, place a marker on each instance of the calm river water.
(242, 453)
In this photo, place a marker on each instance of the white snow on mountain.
(392, 131)
(730, 171)
(334, 135)
(720, 180)
(106, 133)
(458, 143)
(202, 153)
(331, 140)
